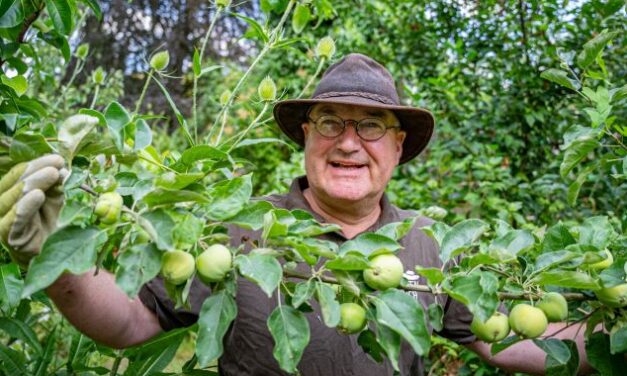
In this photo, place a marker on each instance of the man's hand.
(31, 197)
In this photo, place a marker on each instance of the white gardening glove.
(31, 197)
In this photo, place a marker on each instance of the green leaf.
(560, 77)
(390, 341)
(328, 304)
(201, 152)
(557, 238)
(370, 245)
(597, 232)
(618, 340)
(504, 344)
(93, 4)
(460, 237)
(153, 356)
(368, 342)
(300, 17)
(478, 291)
(512, 243)
(593, 47)
(17, 83)
(556, 258)
(397, 230)
(13, 361)
(350, 261)
(600, 357)
(575, 186)
(18, 329)
(251, 216)
(436, 314)
(216, 315)
(196, 63)
(228, 197)
(143, 135)
(160, 226)
(60, 12)
(564, 278)
(303, 292)
(11, 14)
(136, 266)
(264, 270)
(290, 331)
(117, 117)
(171, 180)
(41, 367)
(401, 313)
(26, 147)
(11, 286)
(276, 222)
(433, 275)
(575, 153)
(71, 249)
(562, 357)
(258, 29)
(72, 132)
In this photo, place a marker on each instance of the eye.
(371, 128)
(330, 125)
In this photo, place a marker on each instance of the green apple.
(385, 272)
(494, 329)
(352, 318)
(615, 297)
(554, 306)
(527, 321)
(177, 266)
(214, 263)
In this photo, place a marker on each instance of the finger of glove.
(12, 177)
(10, 197)
(51, 160)
(24, 228)
(5, 224)
(42, 179)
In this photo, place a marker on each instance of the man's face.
(347, 168)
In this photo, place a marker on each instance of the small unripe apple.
(494, 329)
(352, 318)
(527, 321)
(554, 306)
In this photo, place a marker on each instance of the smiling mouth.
(351, 166)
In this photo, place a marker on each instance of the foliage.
(524, 221)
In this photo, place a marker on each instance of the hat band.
(374, 97)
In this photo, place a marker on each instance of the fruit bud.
(160, 60)
(223, 3)
(435, 212)
(267, 90)
(224, 97)
(82, 51)
(325, 48)
(98, 76)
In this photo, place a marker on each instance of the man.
(354, 132)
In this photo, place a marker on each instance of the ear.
(400, 138)
(306, 129)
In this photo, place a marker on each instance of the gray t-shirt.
(248, 344)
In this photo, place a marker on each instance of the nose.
(349, 140)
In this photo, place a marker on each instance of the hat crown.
(358, 75)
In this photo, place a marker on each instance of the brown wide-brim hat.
(360, 81)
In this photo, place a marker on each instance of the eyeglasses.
(331, 126)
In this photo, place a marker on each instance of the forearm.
(99, 309)
(526, 357)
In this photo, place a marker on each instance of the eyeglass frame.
(344, 121)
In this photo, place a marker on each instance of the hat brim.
(416, 122)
